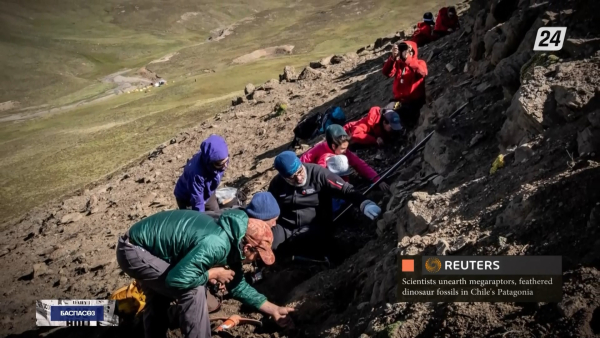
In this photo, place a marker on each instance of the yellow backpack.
(130, 299)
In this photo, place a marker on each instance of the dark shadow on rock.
(370, 66)
(241, 180)
(272, 152)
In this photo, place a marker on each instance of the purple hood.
(200, 178)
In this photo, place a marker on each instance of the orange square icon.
(408, 265)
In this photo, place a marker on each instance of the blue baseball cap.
(393, 119)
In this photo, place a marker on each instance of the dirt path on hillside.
(263, 53)
(125, 84)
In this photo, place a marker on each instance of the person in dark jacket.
(304, 193)
(202, 175)
(446, 22)
(424, 32)
(176, 253)
(409, 81)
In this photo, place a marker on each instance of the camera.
(402, 46)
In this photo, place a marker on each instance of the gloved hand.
(370, 209)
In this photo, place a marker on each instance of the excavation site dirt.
(539, 110)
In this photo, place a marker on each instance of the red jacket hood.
(413, 45)
(408, 86)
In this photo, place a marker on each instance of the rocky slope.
(541, 111)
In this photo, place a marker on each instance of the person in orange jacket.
(446, 21)
(424, 32)
(409, 82)
(374, 128)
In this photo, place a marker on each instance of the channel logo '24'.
(550, 39)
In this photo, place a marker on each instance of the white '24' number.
(546, 35)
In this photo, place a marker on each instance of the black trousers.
(409, 112)
(211, 205)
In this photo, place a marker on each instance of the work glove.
(370, 209)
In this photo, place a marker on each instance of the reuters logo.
(433, 264)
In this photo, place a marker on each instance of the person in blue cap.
(263, 206)
(304, 193)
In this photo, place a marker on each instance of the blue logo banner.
(76, 312)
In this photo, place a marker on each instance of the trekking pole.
(402, 160)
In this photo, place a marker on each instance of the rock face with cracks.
(550, 97)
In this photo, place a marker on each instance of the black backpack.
(316, 124)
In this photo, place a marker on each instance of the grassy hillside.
(54, 53)
(52, 48)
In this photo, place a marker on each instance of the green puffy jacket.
(192, 243)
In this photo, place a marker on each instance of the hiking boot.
(213, 303)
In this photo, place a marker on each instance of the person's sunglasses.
(220, 164)
(298, 173)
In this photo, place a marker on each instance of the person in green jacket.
(175, 253)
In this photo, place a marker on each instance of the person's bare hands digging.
(380, 141)
(384, 186)
(221, 275)
(282, 318)
(219, 284)
(281, 314)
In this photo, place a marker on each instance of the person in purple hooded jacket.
(202, 175)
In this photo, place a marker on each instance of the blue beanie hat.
(263, 206)
(287, 163)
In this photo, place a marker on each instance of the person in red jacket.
(446, 22)
(375, 128)
(336, 143)
(409, 82)
(424, 32)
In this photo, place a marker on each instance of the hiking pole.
(402, 160)
(309, 260)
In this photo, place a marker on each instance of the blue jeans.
(337, 204)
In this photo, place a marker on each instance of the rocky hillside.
(540, 111)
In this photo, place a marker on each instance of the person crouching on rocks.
(304, 193)
(446, 22)
(336, 143)
(202, 175)
(175, 254)
(424, 32)
(376, 128)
